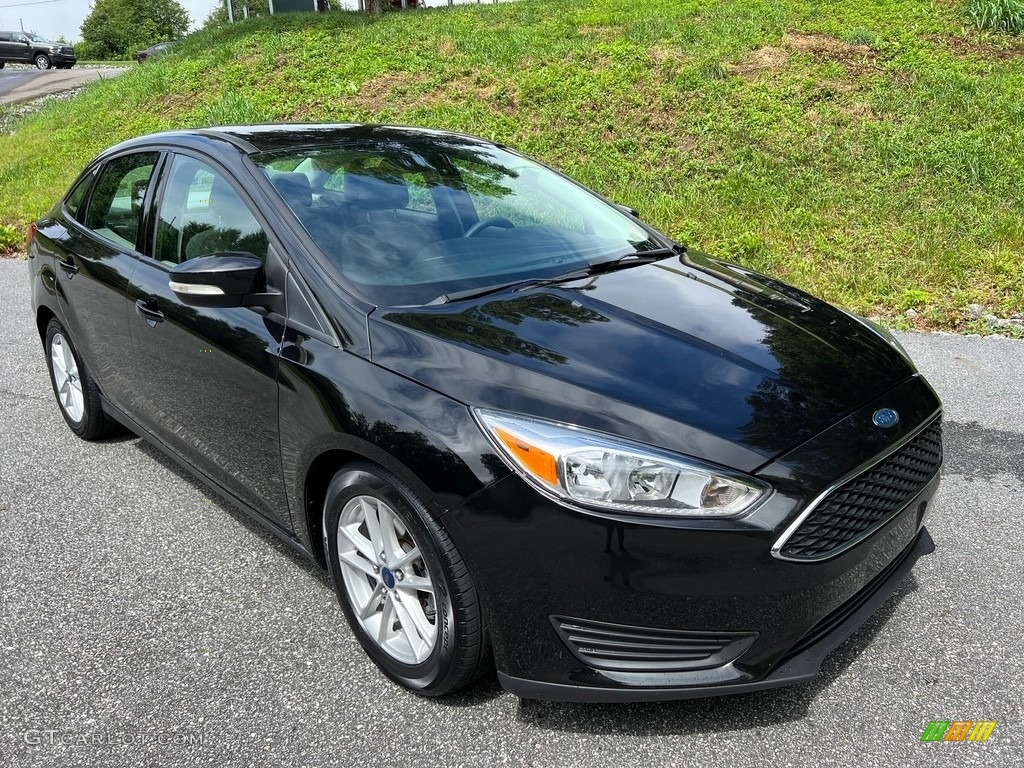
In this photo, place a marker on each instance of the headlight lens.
(606, 472)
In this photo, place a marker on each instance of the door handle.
(147, 309)
(69, 267)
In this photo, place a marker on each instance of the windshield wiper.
(473, 293)
(597, 268)
(633, 259)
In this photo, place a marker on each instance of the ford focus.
(519, 427)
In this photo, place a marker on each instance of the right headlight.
(605, 472)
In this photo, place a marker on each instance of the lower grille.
(865, 503)
(638, 649)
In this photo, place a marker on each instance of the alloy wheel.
(66, 378)
(386, 580)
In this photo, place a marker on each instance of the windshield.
(38, 39)
(406, 222)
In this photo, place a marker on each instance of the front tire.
(76, 392)
(402, 584)
(42, 61)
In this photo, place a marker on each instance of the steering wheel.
(491, 221)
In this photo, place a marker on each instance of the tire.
(42, 61)
(447, 646)
(76, 392)
(2, 64)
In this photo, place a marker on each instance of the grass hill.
(870, 151)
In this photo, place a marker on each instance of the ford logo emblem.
(885, 418)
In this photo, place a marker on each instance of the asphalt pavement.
(143, 622)
(19, 84)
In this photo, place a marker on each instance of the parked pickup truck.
(22, 48)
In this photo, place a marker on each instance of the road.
(142, 622)
(17, 85)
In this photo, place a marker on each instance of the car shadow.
(715, 714)
(253, 526)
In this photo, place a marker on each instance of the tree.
(219, 14)
(119, 28)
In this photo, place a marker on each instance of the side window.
(200, 213)
(115, 210)
(76, 199)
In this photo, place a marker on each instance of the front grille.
(647, 649)
(865, 503)
(67, 50)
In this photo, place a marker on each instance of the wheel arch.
(43, 317)
(318, 478)
(322, 469)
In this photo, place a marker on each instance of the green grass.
(998, 15)
(10, 238)
(869, 151)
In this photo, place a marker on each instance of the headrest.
(224, 201)
(294, 188)
(371, 193)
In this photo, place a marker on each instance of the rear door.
(205, 378)
(96, 255)
(7, 52)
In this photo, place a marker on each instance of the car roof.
(251, 139)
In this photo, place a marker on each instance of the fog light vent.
(647, 649)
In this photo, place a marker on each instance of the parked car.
(21, 48)
(513, 421)
(153, 50)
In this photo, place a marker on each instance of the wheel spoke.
(415, 626)
(389, 534)
(370, 515)
(60, 368)
(69, 361)
(78, 401)
(370, 607)
(406, 558)
(364, 547)
(387, 618)
(359, 563)
(413, 584)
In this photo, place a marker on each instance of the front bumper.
(801, 667)
(653, 582)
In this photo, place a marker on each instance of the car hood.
(691, 354)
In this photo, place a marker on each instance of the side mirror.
(231, 279)
(629, 211)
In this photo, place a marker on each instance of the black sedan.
(518, 426)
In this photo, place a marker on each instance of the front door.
(207, 378)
